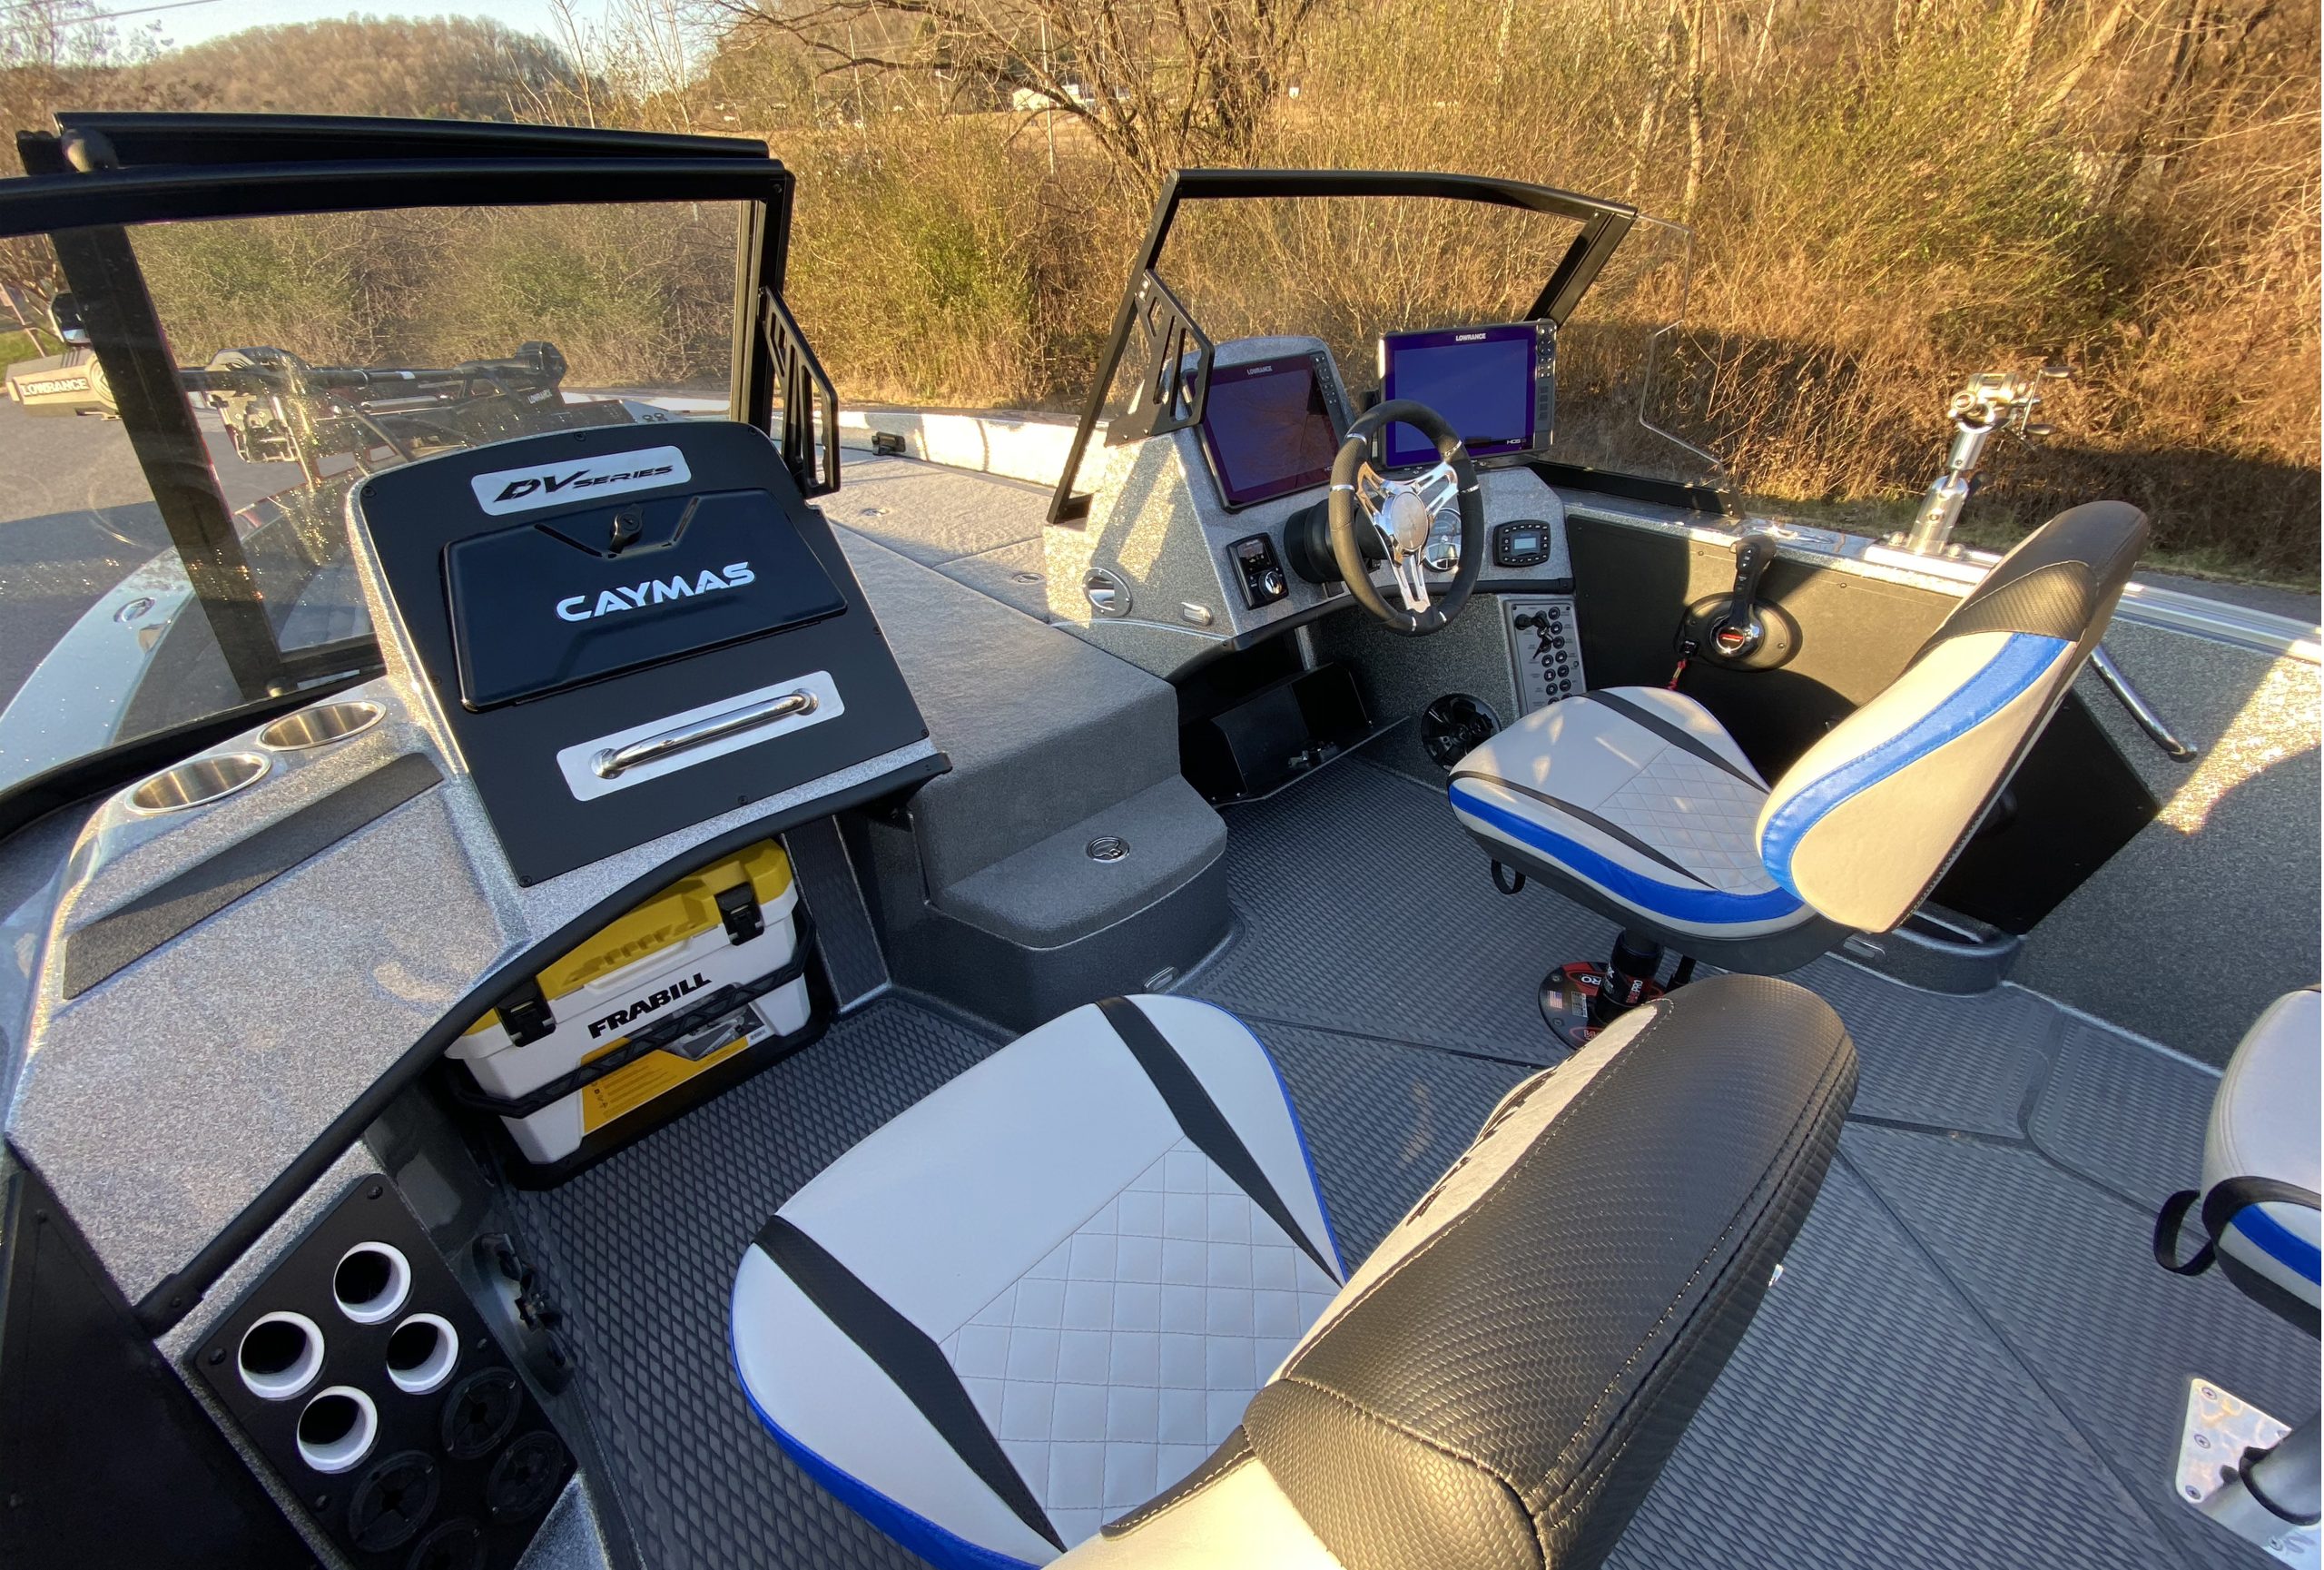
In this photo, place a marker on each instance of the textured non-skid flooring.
(977, 529)
(1970, 1359)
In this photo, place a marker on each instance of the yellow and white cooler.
(696, 987)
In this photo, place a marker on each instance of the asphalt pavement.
(76, 516)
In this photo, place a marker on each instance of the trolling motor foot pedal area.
(2229, 1454)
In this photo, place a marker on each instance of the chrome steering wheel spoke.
(1439, 489)
(1429, 521)
(1403, 514)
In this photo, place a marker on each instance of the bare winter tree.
(57, 55)
(1156, 83)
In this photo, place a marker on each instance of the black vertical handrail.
(808, 397)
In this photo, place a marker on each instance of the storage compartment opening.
(691, 989)
(1285, 730)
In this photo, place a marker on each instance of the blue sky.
(193, 24)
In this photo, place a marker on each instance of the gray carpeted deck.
(1969, 1359)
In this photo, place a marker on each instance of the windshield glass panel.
(1348, 268)
(1622, 405)
(174, 558)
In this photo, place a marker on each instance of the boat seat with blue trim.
(1084, 1300)
(1635, 802)
(2262, 1160)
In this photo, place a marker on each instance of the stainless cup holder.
(197, 781)
(320, 726)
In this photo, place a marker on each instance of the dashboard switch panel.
(1258, 570)
(1545, 647)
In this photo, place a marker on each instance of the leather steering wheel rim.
(1340, 513)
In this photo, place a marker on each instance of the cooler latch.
(525, 1012)
(739, 908)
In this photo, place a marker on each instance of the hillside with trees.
(456, 68)
(1884, 197)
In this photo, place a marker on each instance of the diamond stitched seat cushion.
(1045, 1292)
(1640, 795)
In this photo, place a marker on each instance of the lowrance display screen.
(1267, 430)
(537, 607)
(1480, 378)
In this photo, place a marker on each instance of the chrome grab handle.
(614, 762)
(2140, 709)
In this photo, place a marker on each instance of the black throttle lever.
(1740, 629)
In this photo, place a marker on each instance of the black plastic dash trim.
(1686, 741)
(128, 934)
(913, 1362)
(1201, 1119)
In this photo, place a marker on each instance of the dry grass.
(1885, 196)
(632, 296)
(1885, 199)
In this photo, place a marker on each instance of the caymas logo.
(506, 490)
(653, 591)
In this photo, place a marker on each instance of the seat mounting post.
(1581, 999)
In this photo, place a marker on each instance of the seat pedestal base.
(1580, 999)
(1571, 999)
(2218, 1432)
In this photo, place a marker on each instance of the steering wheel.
(1399, 516)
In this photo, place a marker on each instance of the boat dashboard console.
(1205, 538)
(627, 632)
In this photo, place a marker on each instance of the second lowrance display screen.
(1268, 430)
(1480, 378)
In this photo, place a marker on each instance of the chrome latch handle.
(614, 762)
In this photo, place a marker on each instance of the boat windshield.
(1346, 269)
(307, 351)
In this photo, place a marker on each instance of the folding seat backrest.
(1864, 824)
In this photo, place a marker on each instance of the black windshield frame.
(99, 175)
(1604, 223)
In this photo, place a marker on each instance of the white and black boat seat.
(1084, 1300)
(1045, 1291)
(2263, 1165)
(1637, 802)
